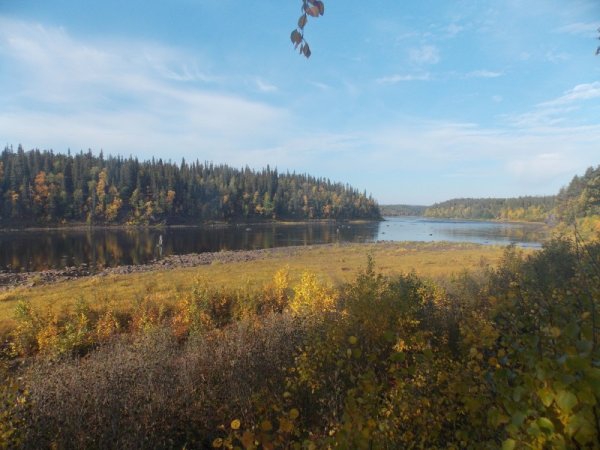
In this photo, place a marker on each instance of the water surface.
(426, 229)
(103, 247)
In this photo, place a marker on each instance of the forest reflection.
(110, 247)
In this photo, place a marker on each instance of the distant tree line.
(402, 210)
(41, 187)
(580, 199)
(535, 209)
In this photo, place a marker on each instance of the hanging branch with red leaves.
(313, 8)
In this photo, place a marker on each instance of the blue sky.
(412, 101)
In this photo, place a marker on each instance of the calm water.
(39, 250)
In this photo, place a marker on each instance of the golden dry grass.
(333, 264)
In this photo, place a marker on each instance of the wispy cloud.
(483, 74)
(263, 86)
(532, 160)
(581, 92)
(186, 73)
(541, 167)
(453, 29)
(557, 57)
(558, 110)
(580, 28)
(125, 97)
(542, 117)
(405, 36)
(319, 85)
(399, 78)
(426, 54)
(60, 88)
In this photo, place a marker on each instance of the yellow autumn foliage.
(311, 298)
(502, 358)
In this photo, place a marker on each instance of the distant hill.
(43, 188)
(402, 210)
(579, 200)
(534, 209)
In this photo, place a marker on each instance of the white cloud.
(542, 167)
(453, 29)
(401, 38)
(580, 28)
(514, 162)
(483, 74)
(398, 78)
(557, 57)
(585, 91)
(126, 97)
(541, 117)
(557, 111)
(426, 54)
(186, 73)
(319, 85)
(342, 149)
(71, 95)
(263, 86)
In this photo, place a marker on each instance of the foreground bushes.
(154, 392)
(503, 358)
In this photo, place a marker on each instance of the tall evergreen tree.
(40, 187)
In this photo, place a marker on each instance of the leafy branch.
(313, 8)
(316, 8)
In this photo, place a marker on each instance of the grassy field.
(333, 264)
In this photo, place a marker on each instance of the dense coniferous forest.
(41, 187)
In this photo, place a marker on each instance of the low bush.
(502, 358)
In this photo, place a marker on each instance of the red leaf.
(313, 11)
(306, 50)
(296, 37)
(302, 21)
(319, 4)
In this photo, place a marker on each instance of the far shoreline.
(465, 219)
(28, 279)
(209, 224)
(81, 226)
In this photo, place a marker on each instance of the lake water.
(47, 249)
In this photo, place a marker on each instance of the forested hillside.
(402, 210)
(579, 201)
(41, 187)
(581, 198)
(535, 209)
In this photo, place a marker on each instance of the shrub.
(506, 357)
(151, 391)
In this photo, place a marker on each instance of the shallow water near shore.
(37, 250)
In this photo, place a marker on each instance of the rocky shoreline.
(10, 280)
